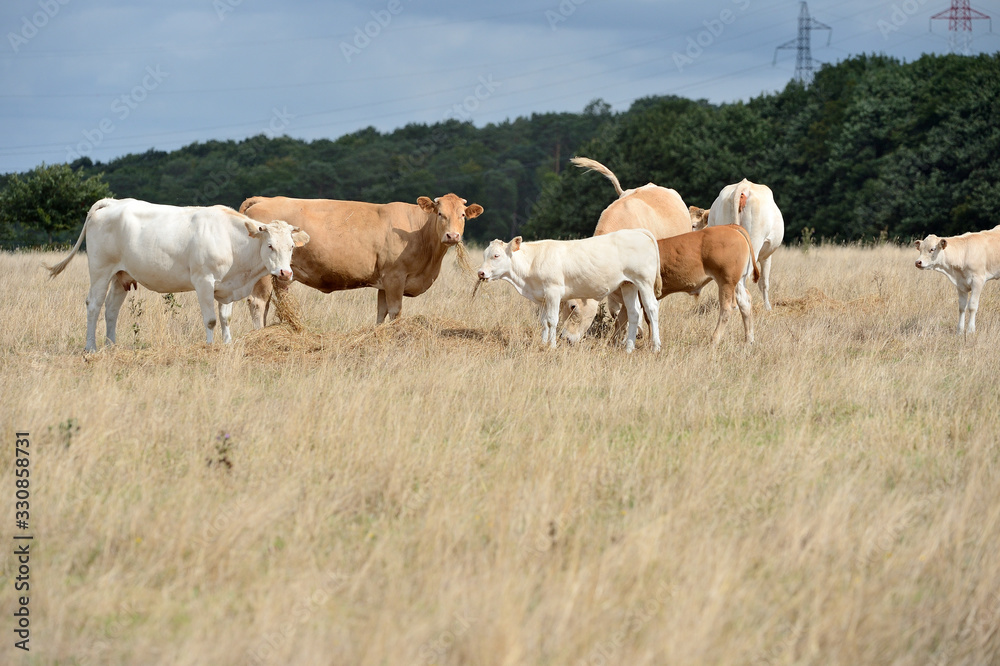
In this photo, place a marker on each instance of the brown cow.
(396, 248)
(690, 261)
(659, 209)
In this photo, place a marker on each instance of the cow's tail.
(753, 259)
(658, 282)
(594, 165)
(741, 197)
(249, 202)
(58, 268)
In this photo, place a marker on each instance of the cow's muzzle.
(452, 238)
(284, 274)
(918, 264)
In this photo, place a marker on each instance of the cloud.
(232, 63)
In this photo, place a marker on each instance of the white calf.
(970, 261)
(549, 272)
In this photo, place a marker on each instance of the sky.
(104, 78)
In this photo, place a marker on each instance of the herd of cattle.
(647, 245)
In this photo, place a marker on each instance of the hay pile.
(281, 337)
(815, 298)
(285, 305)
(419, 328)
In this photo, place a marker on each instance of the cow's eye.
(270, 247)
(496, 256)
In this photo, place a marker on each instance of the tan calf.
(723, 253)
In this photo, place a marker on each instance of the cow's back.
(162, 247)
(658, 209)
(976, 253)
(761, 216)
(349, 241)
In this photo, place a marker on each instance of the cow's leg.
(383, 307)
(651, 310)
(543, 321)
(963, 305)
(204, 287)
(550, 318)
(630, 294)
(225, 312)
(765, 281)
(390, 301)
(619, 313)
(615, 303)
(726, 292)
(95, 299)
(259, 301)
(743, 301)
(977, 288)
(112, 306)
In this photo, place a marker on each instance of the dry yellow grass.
(443, 490)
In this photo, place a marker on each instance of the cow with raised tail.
(661, 210)
(550, 272)
(969, 261)
(214, 251)
(396, 248)
(752, 207)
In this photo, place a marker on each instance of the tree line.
(872, 148)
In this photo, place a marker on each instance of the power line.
(960, 17)
(802, 44)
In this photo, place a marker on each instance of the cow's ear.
(515, 244)
(943, 244)
(475, 210)
(916, 244)
(251, 228)
(427, 205)
(299, 237)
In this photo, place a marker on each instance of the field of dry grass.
(443, 490)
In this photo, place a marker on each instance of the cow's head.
(451, 213)
(699, 217)
(497, 258)
(277, 239)
(577, 316)
(930, 251)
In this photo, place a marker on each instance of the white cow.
(752, 207)
(214, 251)
(970, 261)
(549, 272)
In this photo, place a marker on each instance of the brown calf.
(721, 253)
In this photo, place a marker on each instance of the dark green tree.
(50, 200)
